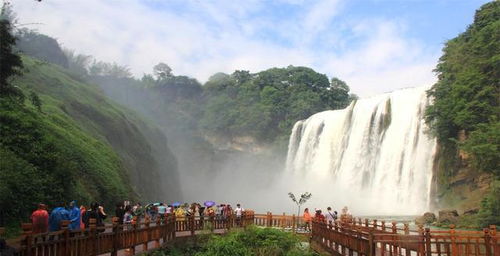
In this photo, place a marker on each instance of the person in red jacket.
(40, 219)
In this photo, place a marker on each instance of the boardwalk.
(346, 237)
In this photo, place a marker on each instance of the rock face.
(448, 217)
(427, 218)
(471, 211)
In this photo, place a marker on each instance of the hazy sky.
(373, 45)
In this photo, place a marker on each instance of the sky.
(375, 46)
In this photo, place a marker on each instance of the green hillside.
(79, 146)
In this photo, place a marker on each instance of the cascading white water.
(374, 156)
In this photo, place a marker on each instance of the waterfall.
(373, 156)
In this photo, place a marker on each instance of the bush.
(253, 241)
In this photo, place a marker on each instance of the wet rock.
(471, 211)
(427, 218)
(448, 217)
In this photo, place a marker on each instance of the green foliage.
(36, 101)
(10, 61)
(489, 213)
(253, 241)
(265, 105)
(483, 144)
(467, 94)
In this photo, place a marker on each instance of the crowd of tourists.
(79, 216)
(329, 216)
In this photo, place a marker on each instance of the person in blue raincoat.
(56, 216)
(74, 216)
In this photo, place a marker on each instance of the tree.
(162, 71)
(303, 199)
(36, 101)
(10, 62)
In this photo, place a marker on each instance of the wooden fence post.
(173, 229)
(487, 242)
(212, 223)
(93, 237)
(283, 222)
(116, 237)
(156, 229)
(428, 249)
(191, 223)
(375, 224)
(371, 244)
(147, 227)
(454, 251)
(383, 225)
(65, 228)
(496, 245)
(366, 223)
(27, 237)
(269, 219)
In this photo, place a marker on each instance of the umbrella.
(209, 203)
(176, 204)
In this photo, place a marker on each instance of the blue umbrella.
(209, 203)
(176, 204)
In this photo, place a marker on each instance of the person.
(82, 213)
(74, 216)
(138, 211)
(336, 215)
(307, 219)
(127, 216)
(119, 212)
(162, 210)
(179, 213)
(95, 212)
(318, 216)
(239, 213)
(40, 220)
(329, 215)
(56, 216)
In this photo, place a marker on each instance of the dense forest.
(465, 115)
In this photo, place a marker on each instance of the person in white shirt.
(238, 212)
(330, 216)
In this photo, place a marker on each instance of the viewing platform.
(348, 236)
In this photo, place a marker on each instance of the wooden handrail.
(345, 237)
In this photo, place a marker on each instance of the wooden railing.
(376, 238)
(346, 237)
(285, 222)
(111, 238)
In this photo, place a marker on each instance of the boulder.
(472, 211)
(448, 217)
(427, 218)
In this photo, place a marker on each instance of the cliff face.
(457, 184)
